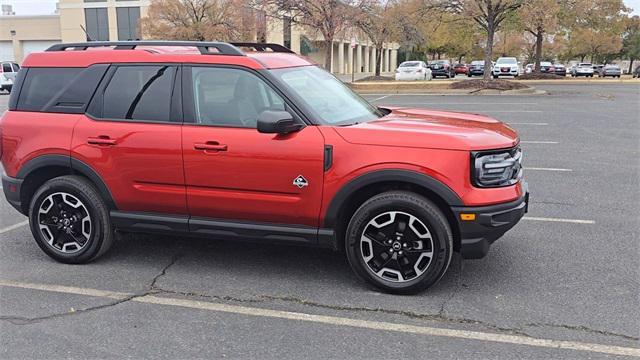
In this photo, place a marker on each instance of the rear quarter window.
(42, 85)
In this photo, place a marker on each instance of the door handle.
(101, 140)
(210, 146)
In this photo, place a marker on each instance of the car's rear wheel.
(70, 221)
(399, 242)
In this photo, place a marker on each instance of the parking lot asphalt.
(568, 274)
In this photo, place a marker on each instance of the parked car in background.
(413, 70)
(610, 70)
(460, 69)
(8, 71)
(528, 69)
(596, 68)
(442, 68)
(636, 72)
(582, 69)
(505, 66)
(560, 69)
(546, 67)
(475, 68)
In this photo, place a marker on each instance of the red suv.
(249, 141)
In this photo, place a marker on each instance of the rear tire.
(399, 242)
(70, 221)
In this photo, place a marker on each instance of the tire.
(495, 76)
(426, 234)
(74, 202)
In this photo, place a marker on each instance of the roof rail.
(263, 47)
(222, 48)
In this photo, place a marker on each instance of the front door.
(232, 171)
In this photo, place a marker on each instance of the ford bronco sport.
(249, 141)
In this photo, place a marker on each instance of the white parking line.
(13, 227)
(380, 98)
(337, 321)
(538, 142)
(573, 221)
(547, 169)
(512, 111)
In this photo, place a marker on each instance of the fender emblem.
(300, 182)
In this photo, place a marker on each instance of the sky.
(45, 7)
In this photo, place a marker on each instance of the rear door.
(232, 171)
(131, 136)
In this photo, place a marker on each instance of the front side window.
(329, 100)
(139, 93)
(231, 97)
(6, 67)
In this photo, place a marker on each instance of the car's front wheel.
(399, 242)
(70, 221)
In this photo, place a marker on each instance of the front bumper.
(11, 188)
(491, 222)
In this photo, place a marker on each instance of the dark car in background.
(597, 68)
(460, 69)
(442, 68)
(475, 68)
(610, 70)
(560, 69)
(546, 67)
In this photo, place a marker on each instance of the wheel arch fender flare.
(75, 166)
(383, 176)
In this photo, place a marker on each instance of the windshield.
(477, 62)
(410, 64)
(439, 62)
(329, 99)
(585, 65)
(506, 61)
(545, 63)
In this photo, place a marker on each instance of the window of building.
(128, 19)
(97, 24)
(231, 97)
(139, 93)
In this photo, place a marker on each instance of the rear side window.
(43, 85)
(6, 67)
(139, 93)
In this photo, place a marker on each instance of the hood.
(432, 129)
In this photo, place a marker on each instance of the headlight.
(496, 168)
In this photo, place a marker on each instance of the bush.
(493, 84)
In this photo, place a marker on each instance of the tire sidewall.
(95, 240)
(441, 236)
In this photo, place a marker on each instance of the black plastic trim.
(222, 228)
(13, 197)
(74, 165)
(380, 176)
(222, 47)
(262, 47)
(328, 157)
(490, 224)
(148, 222)
(17, 88)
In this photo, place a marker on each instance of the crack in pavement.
(20, 320)
(153, 288)
(582, 328)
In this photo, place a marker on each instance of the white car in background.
(582, 69)
(505, 66)
(413, 70)
(8, 71)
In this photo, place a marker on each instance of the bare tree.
(326, 17)
(489, 15)
(199, 20)
(380, 22)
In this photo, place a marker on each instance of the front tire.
(399, 242)
(70, 221)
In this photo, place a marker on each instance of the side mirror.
(277, 122)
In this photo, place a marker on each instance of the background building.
(113, 20)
